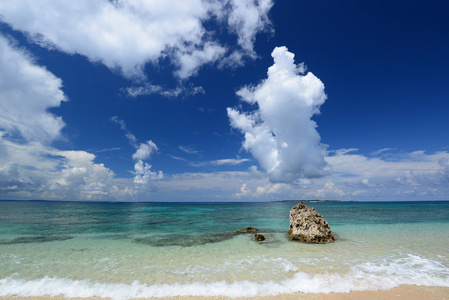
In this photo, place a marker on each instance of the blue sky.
(224, 100)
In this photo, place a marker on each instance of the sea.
(147, 250)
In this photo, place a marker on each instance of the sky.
(232, 100)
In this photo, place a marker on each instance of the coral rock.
(247, 230)
(259, 237)
(308, 226)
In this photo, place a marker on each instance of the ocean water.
(132, 250)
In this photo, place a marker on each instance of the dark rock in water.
(184, 240)
(259, 237)
(247, 230)
(306, 225)
(36, 239)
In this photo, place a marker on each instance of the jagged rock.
(247, 230)
(259, 237)
(306, 225)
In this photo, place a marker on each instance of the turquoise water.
(126, 250)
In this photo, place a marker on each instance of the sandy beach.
(409, 292)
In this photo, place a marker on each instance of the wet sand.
(408, 292)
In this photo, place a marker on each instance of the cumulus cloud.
(143, 174)
(125, 35)
(329, 191)
(403, 176)
(35, 171)
(280, 133)
(27, 91)
(244, 192)
(351, 180)
(142, 170)
(144, 151)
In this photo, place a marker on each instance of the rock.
(36, 239)
(247, 230)
(306, 225)
(259, 237)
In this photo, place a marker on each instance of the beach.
(189, 251)
(402, 292)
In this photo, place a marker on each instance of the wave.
(384, 275)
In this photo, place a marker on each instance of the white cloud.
(188, 150)
(350, 181)
(190, 60)
(269, 189)
(144, 151)
(380, 151)
(131, 137)
(27, 91)
(247, 18)
(443, 173)
(143, 174)
(375, 168)
(34, 171)
(221, 184)
(29, 167)
(244, 192)
(220, 162)
(125, 35)
(229, 161)
(150, 89)
(280, 133)
(142, 170)
(329, 191)
(414, 175)
(118, 193)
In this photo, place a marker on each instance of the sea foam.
(385, 274)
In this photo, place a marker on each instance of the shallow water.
(125, 250)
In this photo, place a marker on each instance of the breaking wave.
(365, 276)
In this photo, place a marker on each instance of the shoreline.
(409, 292)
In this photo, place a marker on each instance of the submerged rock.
(247, 230)
(184, 240)
(36, 239)
(306, 225)
(259, 237)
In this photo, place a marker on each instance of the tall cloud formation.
(142, 170)
(280, 133)
(125, 35)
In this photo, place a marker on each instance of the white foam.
(365, 276)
